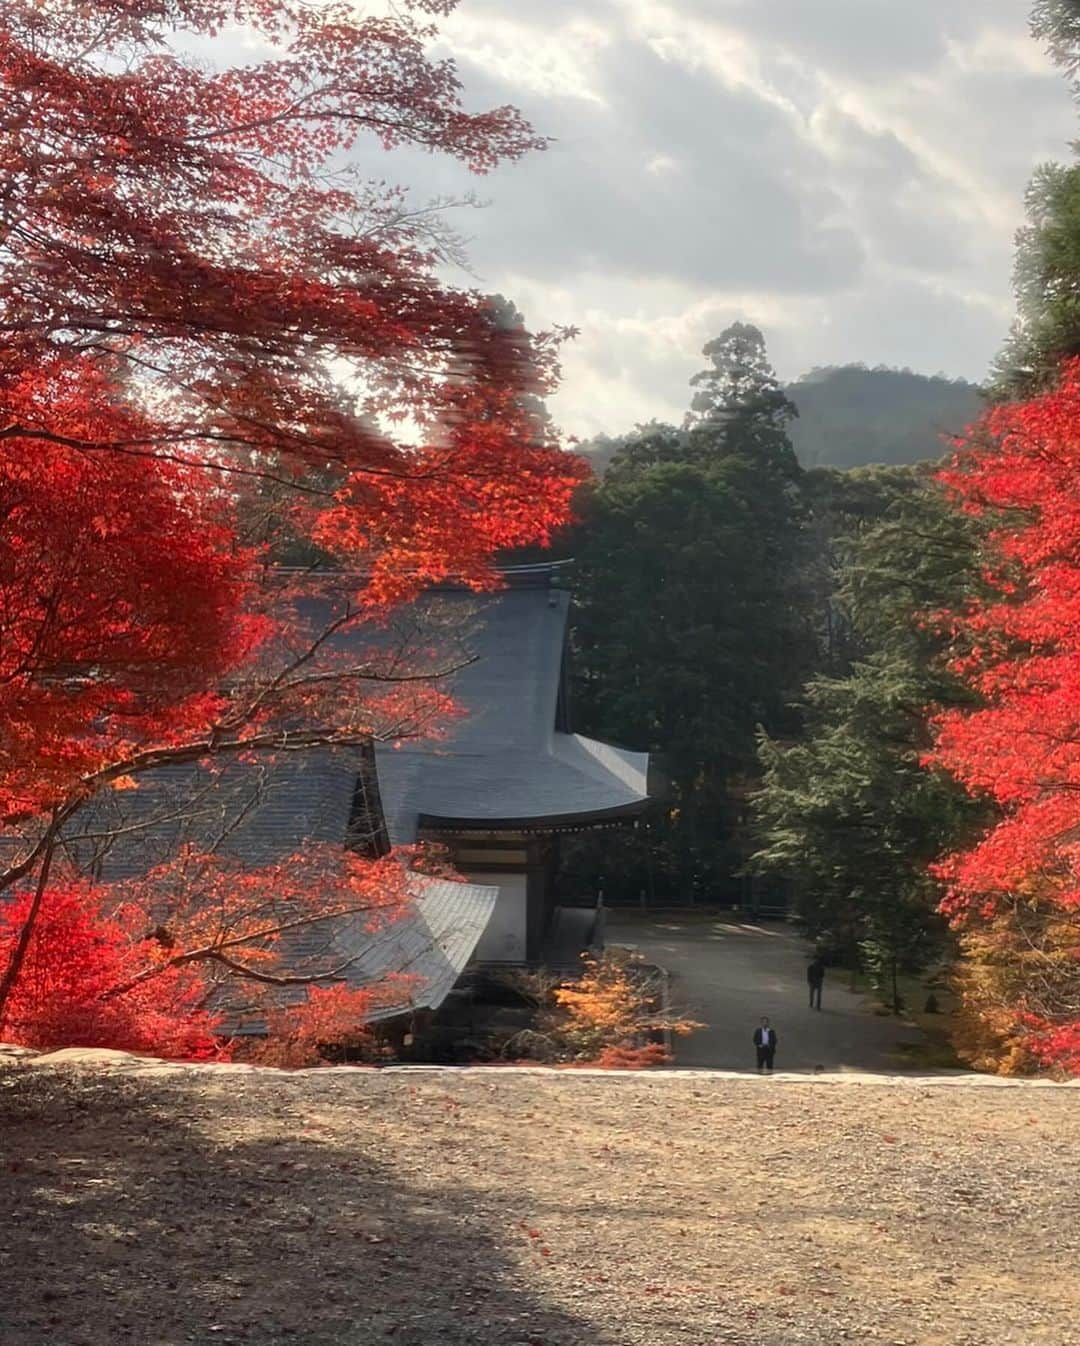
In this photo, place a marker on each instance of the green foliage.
(847, 816)
(609, 1015)
(739, 390)
(1047, 273)
(674, 612)
(1057, 24)
(853, 416)
(687, 633)
(1047, 281)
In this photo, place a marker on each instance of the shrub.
(609, 1016)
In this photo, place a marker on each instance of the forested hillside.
(851, 416)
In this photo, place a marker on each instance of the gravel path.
(346, 1207)
(727, 973)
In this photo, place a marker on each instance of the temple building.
(513, 776)
(498, 789)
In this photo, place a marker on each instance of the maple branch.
(279, 740)
(268, 978)
(362, 673)
(41, 848)
(21, 947)
(154, 758)
(276, 683)
(135, 448)
(217, 952)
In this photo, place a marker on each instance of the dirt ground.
(345, 1207)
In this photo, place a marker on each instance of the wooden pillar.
(540, 893)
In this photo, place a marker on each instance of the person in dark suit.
(765, 1040)
(815, 976)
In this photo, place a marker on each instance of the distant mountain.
(851, 416)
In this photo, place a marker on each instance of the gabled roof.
(507, 763)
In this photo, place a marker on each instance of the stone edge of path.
(99, 1058)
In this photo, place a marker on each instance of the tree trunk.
(22, 944)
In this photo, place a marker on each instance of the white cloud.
(661, 165)
(553, 62)
(847, 174)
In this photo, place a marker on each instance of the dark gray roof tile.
(505, 761)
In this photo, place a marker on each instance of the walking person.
(815, 976)
(765, 1040)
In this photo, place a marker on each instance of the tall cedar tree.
(198, 304)
(1047, 326)
(686, 636)
(848, 820)
(1057, 24)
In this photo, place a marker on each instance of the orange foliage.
(297, 1035)
(633, 1058)
(234, 918)
(1019, 968)
(609, 1013)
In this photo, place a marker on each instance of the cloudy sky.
(847, 174)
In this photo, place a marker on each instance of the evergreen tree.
(688, 631)
(1047, 326)
(1047, 280)
(739, 385)
(848, 817)
(1057, 24)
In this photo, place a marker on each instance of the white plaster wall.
(504, 940)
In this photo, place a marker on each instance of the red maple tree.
(1015, 895)
(78, 955)
(208, 321)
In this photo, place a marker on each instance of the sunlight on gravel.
(164, 1206)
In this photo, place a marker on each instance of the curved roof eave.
(552, 822)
